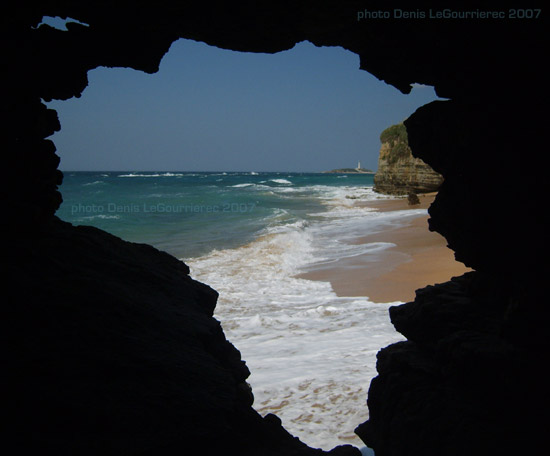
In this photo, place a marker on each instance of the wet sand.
(419, 258)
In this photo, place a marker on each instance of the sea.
(249, 235)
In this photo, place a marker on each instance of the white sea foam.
(87, 184)
(98, 216)
(248, 184)
(348, 196)
(312, 354)
(281, 181)
(156, 175)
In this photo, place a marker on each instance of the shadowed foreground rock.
(113, 350)
(468, 379)
(460, 384)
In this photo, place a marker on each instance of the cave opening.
(218, 159)
(112, 345)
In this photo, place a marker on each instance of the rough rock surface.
(460, 384)
(466, 380)
(106, 341)
(399, 173)
(113, 350)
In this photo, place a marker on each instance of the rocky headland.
(350, 171)
(399, 172)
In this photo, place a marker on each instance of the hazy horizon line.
(192, 171)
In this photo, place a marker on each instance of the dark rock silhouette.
(113, 350)
(412, 199)
(458, 381)
(111, 347)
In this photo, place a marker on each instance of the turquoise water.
(250, 236)
(189, 214)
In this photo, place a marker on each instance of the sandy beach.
(419, 258)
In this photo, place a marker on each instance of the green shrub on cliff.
(395, 133)
(399, 151)
(396, 137)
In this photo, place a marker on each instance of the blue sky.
(208, 109)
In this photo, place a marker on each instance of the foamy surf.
(281, 181)
(246, 184)
(251, 236)
(312, 354)
(156, 175)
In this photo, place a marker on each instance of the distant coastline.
(351, 171)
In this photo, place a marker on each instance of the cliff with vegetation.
(399, 172)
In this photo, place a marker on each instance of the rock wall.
(399, 173)
(113, 350)
(466, 380)
(460, 383)
(111, 346)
